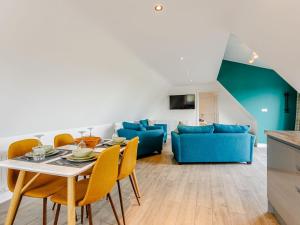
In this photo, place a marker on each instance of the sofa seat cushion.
(133, 126)
(183, 129)
(223, 128)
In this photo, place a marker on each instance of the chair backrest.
(16, 149)
(128, 161)
(104, 175)
(63, 139)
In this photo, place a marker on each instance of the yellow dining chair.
(126, 169)
(36, 186)
(99, 185)
(63, 139)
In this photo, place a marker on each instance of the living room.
(199, 101)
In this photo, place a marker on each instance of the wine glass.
(81, 132)
(90, 129)
(39, 137)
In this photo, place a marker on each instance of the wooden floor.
(200, 194)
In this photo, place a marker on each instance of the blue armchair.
(150, 140)
(164, 127)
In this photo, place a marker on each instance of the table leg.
(136, 183)
(14, 203)
(71, 201)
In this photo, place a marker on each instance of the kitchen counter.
(289, 137)
(284, 175)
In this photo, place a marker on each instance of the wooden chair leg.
(134, 178)
(89, 209)
(57, 214)
(17, 208)
(113, 208)
(53, 206)
(82, 214)
(135, 193)
(44, 211)
(121, 201)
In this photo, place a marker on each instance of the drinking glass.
(38, 153)
(39, 137)
(90, 129)
(81, 132)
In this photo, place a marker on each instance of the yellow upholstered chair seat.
(47, 190)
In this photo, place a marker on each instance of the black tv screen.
(182, 101)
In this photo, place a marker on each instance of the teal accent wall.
(257, 88)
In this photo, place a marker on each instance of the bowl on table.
(119, 140)
(82, 152)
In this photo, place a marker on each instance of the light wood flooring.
(198, 194)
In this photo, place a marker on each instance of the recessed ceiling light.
(181, 58)
(191, 80)
(158, 7)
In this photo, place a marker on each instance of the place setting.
(42, 153)
(78, 158)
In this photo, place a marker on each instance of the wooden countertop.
(289, 137)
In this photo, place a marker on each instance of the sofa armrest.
(153, 128)
(176, 146)
(164, 126)
(252, 143)
(127, 133)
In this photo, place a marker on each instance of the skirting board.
(275, 213)
(5, 196)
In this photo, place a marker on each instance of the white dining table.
(45, 168)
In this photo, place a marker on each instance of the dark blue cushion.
(133, 126)
(144, 122)
(182, 129)
(223, 128)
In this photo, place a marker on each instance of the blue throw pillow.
(133, 126)
(144, 123)
(223, 128)
(182, 129)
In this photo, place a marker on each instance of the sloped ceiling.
(237, 51)
(190, 29)
(198, 30)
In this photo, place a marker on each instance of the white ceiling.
(237, 51)
(198, 30)
(190, 29)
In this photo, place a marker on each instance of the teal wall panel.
(256, 88)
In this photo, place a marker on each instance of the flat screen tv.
(182, 101)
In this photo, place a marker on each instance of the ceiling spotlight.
(191, 80)
(251, 61)
(181, 58)
(158, 7)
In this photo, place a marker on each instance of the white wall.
(60, 70)
(230, 111)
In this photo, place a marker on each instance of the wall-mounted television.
(182, 101)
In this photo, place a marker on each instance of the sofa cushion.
(144, 122)
(223, 128)
(183, 129)
(133, 126)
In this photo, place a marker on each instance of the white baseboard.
(5, 196)
(262, 145)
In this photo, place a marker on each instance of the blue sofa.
(150, 141)
(216, 143)
(145, 123)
